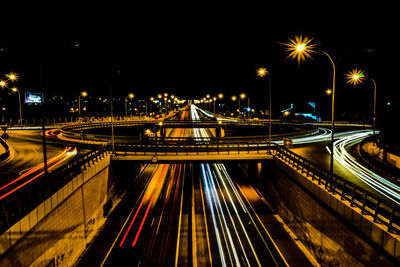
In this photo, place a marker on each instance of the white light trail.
(377, 182)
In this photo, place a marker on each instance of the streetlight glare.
(131, 95)
(233, 98)
(220, 95)
(84, 93)
(355, 77)
(3, 83)
(261, 72)
(13, 76)
(242, 95)
(300, 48)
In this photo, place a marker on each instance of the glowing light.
(13, 76)
(3, 83)
(328, 91)
(131, 95)
(84, 93)
(261, 72)
(355, 77)
(300, 48)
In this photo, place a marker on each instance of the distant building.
(305, 110)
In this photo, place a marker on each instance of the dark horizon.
(211, 56)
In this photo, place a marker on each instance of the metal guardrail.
(381, 210)
(18, 204)
(166, 123)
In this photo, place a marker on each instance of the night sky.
(198, 50)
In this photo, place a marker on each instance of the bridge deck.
(191, 157)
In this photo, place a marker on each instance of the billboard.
(33, 98)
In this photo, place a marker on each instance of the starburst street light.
(12, 76)
(300, 48)
(3, 83)
(262, 72)
(357, 76)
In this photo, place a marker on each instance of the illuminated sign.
(33, 98)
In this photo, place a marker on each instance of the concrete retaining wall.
(57, 231)
(374, 232)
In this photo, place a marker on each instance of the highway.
(26, 160)
(346, 163)
(192, 214)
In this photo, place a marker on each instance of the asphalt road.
(192, 214)
(26, 149)
(318, 154)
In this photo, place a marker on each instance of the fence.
(380, 209)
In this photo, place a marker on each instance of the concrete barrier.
(57, 231)
(375, 232)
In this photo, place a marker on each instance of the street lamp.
(301, 48)
(83, 94)
(130, 96)
(262, 72)
(233, 98)
(15, 90)
(356, 77)
(214, 99)
(3, 84)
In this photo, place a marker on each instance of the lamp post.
(214, 100)
(241, 96)
(15, 90)
(43, 115)
(356, 77)
(262, 72)
(220, 96)
(130, 96)
(82, 94)
(301, 48)
(234, 99)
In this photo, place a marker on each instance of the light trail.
(218, 184)
(54, 162)
(377, 182)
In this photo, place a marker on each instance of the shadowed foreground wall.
(331, 241)
(76, 215)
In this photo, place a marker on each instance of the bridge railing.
(194, 147)
(380, 209)
(14, 206)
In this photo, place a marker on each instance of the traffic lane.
(267, 221)
(319, 155)
(140, 242)
(27, 152)
(235, 236)
(98, 251)
(158, 246)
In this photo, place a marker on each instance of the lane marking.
(179, 226)
(205, 219)
(126, 221)
(194, 240)
(265, 229)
